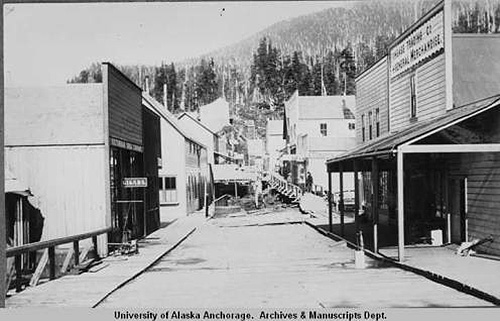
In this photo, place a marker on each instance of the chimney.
(165, 95)
(146, 80)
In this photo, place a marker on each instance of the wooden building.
(428, 133)
(316, 128)
(185, 183)
(74, 146)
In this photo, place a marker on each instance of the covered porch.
(436, 182)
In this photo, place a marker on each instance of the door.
(457, 206)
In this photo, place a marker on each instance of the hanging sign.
(131, 182)
(420, 44)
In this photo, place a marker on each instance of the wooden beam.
(451, 148)
(401, 206)
(356, 195)
(52, 262)
(375, 210)
(330, 214)
(39, 268)
(67, 259)
(341, 199)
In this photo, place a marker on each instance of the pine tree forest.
(282, 61)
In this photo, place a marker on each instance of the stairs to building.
(290, 192)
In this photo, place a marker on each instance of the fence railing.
(281, 184)
(18, 251)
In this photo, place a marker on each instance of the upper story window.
(377, 122)
(323, 129)
(352, 126)
(370, 125)
(363, 127)
(413, 97)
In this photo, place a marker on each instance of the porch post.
(330, 223)
(341, 199)
(401, 206)
(356, 196)
(375, 209)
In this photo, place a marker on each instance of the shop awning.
(388, 145)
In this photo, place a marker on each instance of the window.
(322, 129)
(352, 126)
(377, 122)
(363, 127)
(168, 189)
(370, 125)
(413, 97)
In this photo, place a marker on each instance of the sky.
(46, 44)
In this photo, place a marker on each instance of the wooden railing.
(281, 184)
(18, 251)
(223, 200)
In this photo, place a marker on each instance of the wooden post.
(330, 219)
(3, 227)
(235, 190)
(341, 200)
(52, 263)
(401, 206)
(356, 196)
(76, 250)
(19, 273)
(375, 209)
(94, 241)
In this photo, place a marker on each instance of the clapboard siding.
(371, 93)
(430, 89)
(68, 186)
(70, 114)
(125, 103)
(483, 195)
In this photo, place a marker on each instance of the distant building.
(74, 147)
(215, 115)
(316, 128)
(274, 143)
(184, 174)
(428, 133)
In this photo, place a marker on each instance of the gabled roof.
(326, 107)
(151, 103)
(185, 114)
(388, 144)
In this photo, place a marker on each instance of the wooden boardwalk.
(235, 262)
(87, 289)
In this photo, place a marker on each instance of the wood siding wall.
(152, 151)
(372, 93)
(70, 114)
(68, 186)
(430, 92)
(483, 195)
(125, 103)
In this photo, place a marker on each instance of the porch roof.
(387, 145)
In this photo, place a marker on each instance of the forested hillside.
(317, 54)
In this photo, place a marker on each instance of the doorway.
(458, 209)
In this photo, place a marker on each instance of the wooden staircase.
(289, 191)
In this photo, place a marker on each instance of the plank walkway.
(87, 289)
(236, 262)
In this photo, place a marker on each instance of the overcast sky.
(46, 44)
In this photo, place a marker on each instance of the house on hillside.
(317, 127)
(185, 183)
(428, 139)
(76, 148)
(274, 143)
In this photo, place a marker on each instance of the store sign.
(422, 43)
(131, 182)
